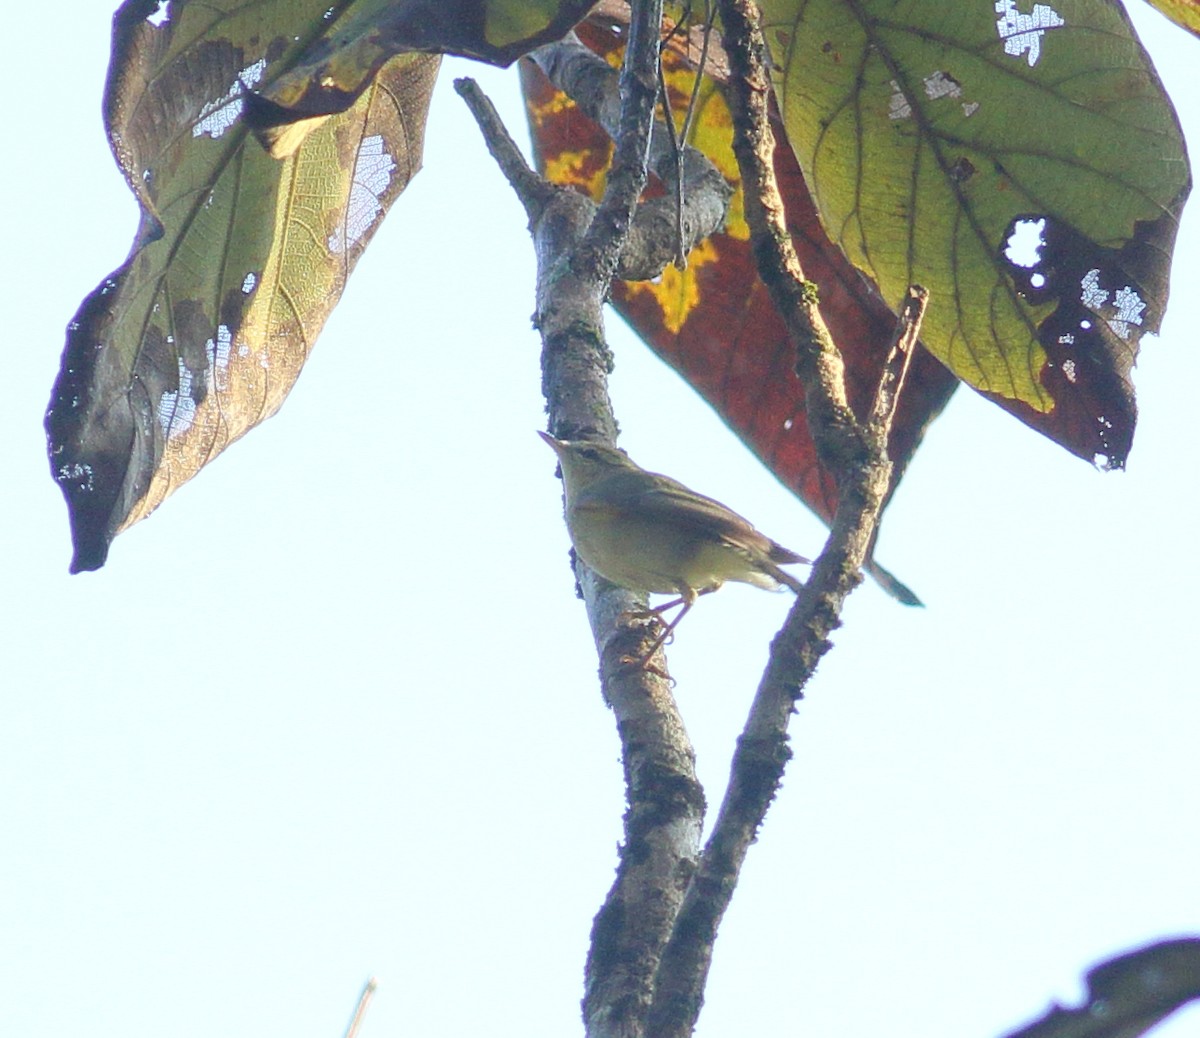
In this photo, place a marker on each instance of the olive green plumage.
(650, 533)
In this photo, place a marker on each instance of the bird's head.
(585, 461)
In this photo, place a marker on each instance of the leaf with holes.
(933, 135)
(714, 322)
(200, 334)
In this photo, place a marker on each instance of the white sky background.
(332, 711)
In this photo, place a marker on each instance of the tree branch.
(652, 940)
(534, 193)
(838, 438)
(577, 246)
(597, 255)
(899, 358)
(857, 454)
(360, 1010)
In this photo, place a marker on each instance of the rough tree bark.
(652, 939)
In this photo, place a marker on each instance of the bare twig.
(532, 191)
(710, 14)
(677, 158)
(597, 255)
(898, 361)
(575, 357)
(360, 1010)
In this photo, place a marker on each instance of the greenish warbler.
(650, 533)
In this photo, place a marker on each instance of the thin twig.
(600, 250)
(899, 359)
(710, 14)
(688, 117)
(677, 153)
(360, 1010)
(532, 191)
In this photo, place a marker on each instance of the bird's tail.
(778, 555)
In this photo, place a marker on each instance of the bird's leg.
(668, 628)
(687, 600)
(683, 600)
(657, 611)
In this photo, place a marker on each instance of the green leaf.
(238, 260)
(931, 134)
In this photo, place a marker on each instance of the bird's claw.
(647, 664)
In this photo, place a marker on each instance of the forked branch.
(652, 940)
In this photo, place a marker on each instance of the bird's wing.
(667, 501)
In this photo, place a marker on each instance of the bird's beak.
(555, 445)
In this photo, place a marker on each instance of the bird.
(648, 532)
